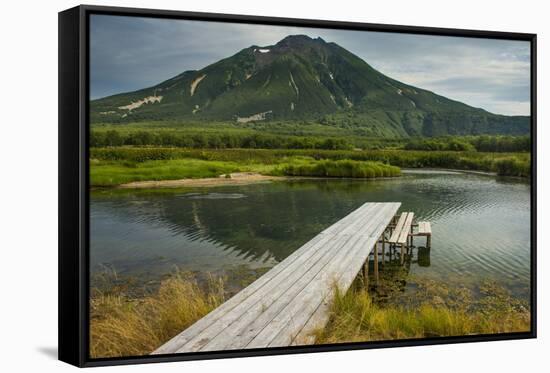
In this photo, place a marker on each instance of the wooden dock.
(286, 304)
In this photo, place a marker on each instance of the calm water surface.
(480, 224)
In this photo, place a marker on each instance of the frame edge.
(73, 182)
(70, 341)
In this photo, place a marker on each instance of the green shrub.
(512, 167)
(341, 168)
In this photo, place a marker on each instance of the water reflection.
(480, 224)
(423, 257)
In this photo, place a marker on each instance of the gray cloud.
(130, 53)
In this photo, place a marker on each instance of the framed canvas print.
(234, 186)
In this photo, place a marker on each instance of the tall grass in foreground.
(341, 168)
(123, 326)
(355, 317)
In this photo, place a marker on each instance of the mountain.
(298, 79)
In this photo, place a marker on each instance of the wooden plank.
(254, 325)
(217, 319)
(352, 220)
(320, 317)
(424, 228)
(398, 227)
(296, 288)
(292, 261)
(269, 279)
(290, 322)
(406, 229)
(254, 306)
(250, 324)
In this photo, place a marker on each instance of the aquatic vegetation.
(341, 168)
(435, 310)
(513, 166)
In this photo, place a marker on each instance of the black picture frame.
(74, 182)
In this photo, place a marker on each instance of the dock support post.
(429, 241)
(402, 256)
(366, 273)
(376, 262)
(412, 231)
(383, 247)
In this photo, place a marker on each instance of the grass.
(505, 164)
(132, 325)
(355, 316)
(125, 326)
(342, 168)
(109, 173)
(105, 173)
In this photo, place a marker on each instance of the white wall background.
(28, 184)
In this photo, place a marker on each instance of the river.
(480, 224)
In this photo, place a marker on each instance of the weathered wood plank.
(290, 263)
(398, 227)
(253, 306)
(320, 317)
(259, 288)
(317, 288)
(291, 299)
(297, 317)
(406, 229)
(424, 228)
(254, 320)
(288, 323)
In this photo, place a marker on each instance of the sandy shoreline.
(237, 178)
(245, 178)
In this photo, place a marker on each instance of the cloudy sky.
(129, 53)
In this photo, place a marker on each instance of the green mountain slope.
(300, 78)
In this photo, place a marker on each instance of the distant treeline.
(215, 140)
(483, 143)
(236, 140)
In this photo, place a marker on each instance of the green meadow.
(111, 166)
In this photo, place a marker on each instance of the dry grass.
(355, 317)
(122, 326)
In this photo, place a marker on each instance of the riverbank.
(231, 179)
(447, 311)
(114, 166)
(125, 325)
(196, 172)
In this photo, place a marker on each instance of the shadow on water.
(423, 257)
